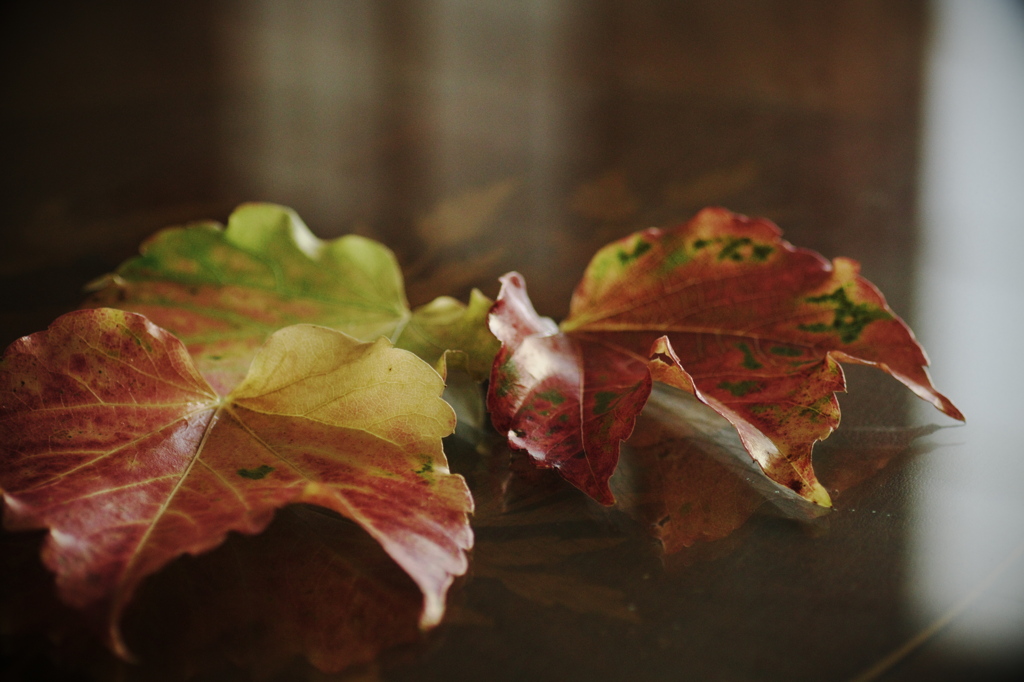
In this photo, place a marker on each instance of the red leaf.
(110, 438)
(721, 307)
(566, 401)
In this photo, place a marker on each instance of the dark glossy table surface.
(474, 137)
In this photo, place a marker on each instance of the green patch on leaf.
(256, 474)
(138, 340)
(552, 396)
(740, 388)
(816, 411)
(604, 401)
(786, 351)
(731, 250)
(850, 318)
(675, 258)
(507, 376)
(641, 247)
(749, 361)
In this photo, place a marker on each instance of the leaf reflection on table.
(686, 478)
(312, 585)
(534, 534)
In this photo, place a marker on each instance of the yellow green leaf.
(223, 291)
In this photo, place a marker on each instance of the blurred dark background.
(475, 137)
(585, 120)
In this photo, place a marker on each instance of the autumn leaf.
(447, 333)
(223, 291)
(720, 307)
(111, 439)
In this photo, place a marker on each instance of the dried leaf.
(720, 307)
(447, 333)
(111, 439)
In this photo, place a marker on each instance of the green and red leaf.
(223, 291)
(720, 307)
(566, 401)
(111, 439)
